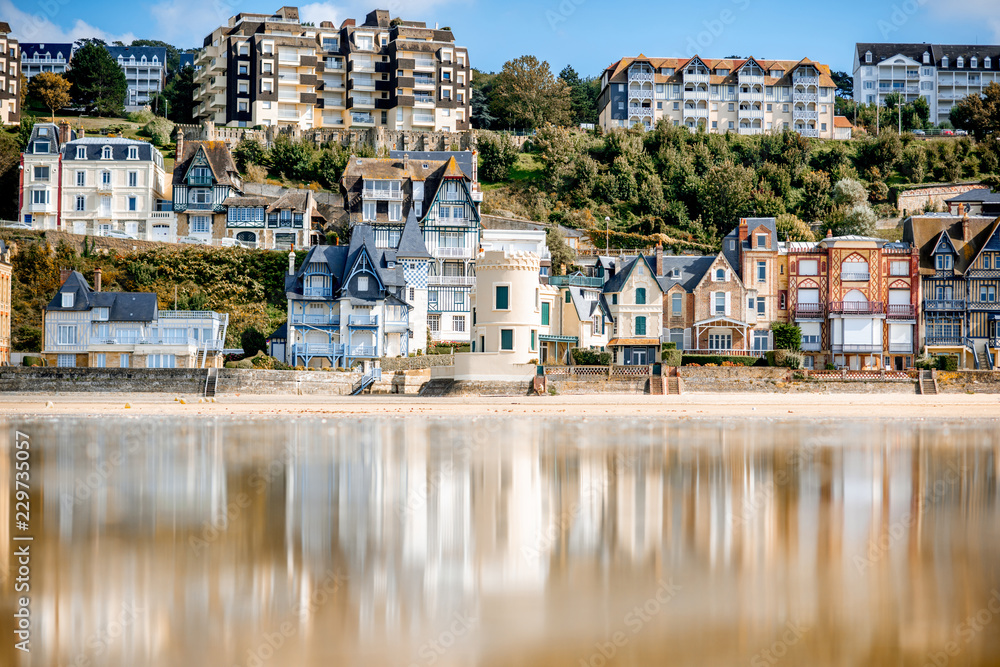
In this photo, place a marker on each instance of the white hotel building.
(943, 74)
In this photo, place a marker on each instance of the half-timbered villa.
(205, 176)
(960, 280)
(345, 305)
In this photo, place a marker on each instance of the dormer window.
(43, 131)
(927, 58)
(720, 275)
(156, 60)
(960, 63)
(675, 274)
(133, 152)
(106, 153)
(761, 240)
(973, 62)
(868, 57)
(143, 61)
(944, 262)
(41, 147)
(67, 299)
(987, 63)
(944, 61)
(81, 152)
(100, 314)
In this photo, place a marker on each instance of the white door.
(161, 232)
(132, 228)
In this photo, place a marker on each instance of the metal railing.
(317, 291)
(360, 351)
(317, 350)
(944, 340)
(855, 277)
(362, 320)
(452, 280)
(198, 314)
(904, 348)
(857, 348)
(809, 310)
(901, 311)
(944, 304)
(575, 281)
(857, 307)
(321, 320)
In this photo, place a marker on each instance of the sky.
(587, 34)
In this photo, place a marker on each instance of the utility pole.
(607, 233)
(900, 105)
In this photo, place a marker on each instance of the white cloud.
(40, 27)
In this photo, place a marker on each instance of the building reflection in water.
(510, 542)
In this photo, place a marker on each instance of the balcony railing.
(809, 311)
(104, 187)
(805, 132)
(362, 320)
(944, 340)
(317, 291)
(391, 194)
(360, 351)
(857, 348)
(318, 320)
(696, 78)
(857, 308)
(799, 114)
(188, 314)
(901, 348)
(811, 347)
(452, 280)
(806, 80)
(901, 312)
(855, 277)
(199, 181)
(450, 252)
(639, 94)
(804, 97)
(640, 76)
(317, 350)
(944, 304)
(575, 281)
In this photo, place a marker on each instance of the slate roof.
(150, 52)
(731, 251)
(340, 259)
(30, 50)
(248, 201)
(411, 241)
(692, 270)
(464, 159)
(220, 160)
(884, 51)
(979, 196)
(185, 60)
(52, 135)
(616, 283)
(119, 148)
(122, 306)
(617, 72)
(924, 232)
(281, 333)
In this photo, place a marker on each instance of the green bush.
(670, 346)
(717, 359)
(498, 154)
(32, 361)
(785, 359)
(141, 117)
(947, 363)
(253, 341)
(786, 336)
(671, 356)
(159, 131)
(242, 363)
(585, 357)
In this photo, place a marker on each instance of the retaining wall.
(963, 382)
(393, 364)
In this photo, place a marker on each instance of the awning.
(559, 339)
(634, 341)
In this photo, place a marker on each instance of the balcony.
(751, 79)
(575, 281)
(857, 349)
(317, 350)
(362, 66)
(857, 308)
(422, 120)
(855, 277)
(812, 346)
(104, 187)
(325, 292)
(640, 76)
(360, 351)
(806, 132)
(695, 94)
(461, 253)
(809, 311)
(423, 64)
(461, 281)
(939, 305)
(695, 78)
(694, 112)
(199, 181)
(751, 113)
(804, 97)
(945, 340)
(326, 320)
(640, 112)
(382, 194)
(750, 97)
(901, 312)
(362, 321)
(805, 115)
(901, 348)
(805, 80)
(637, 94)
(751, 130)
(423, 82)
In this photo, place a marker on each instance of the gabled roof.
(944, 244)
(915, 51)
(925, 232)
(122, 306)
(462, 158)
(621, 277)
(843, 122)
(692, 269)
(616, 72)
(218, 157)
(281, 333)
(977, 196)
(411, 241)
(126, 52)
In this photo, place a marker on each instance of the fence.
(862, 376)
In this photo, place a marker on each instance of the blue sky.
(588, 34)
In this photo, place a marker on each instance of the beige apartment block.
(748, 96)
(10, 77)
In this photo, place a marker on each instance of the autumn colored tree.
(50, 89)
(527, 95)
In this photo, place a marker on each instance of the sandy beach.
(955, 406)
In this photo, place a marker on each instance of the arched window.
(106, 153)
(720, 275)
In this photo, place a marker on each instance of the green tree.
(481, 117)
(583, 95)
(99, 84)
(252, 341)
(786, 336)
(849, 192)
(726, 194)
(292, 159)
(845, 84)
(51, 90)
(562, 255)
(979, 114)
(527, 95)
(858, 221)
(498, 154)
(815, 196)
(790, 228)
(177, 99)
(249, 151)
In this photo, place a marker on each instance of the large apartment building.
(269, 69)
(10, 77)
(943, 74)
(39, 57)
(145, 69)
(748, 96)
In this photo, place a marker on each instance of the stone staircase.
(439, 387)
(673, 386)
(927, 384)
(211, 382)
(984, 360)
(656, 385)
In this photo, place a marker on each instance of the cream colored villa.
(748, 96)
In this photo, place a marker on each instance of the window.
(66, 334)
(241, 105)
(760, 306)
(986, 261)
(720, 303)
(413, 293)
(81, 178)
(66, 361)
(395, 212)
(362, 283)
(81, 152)
(898, 268)
(100, 314)
(133, 152)
(368, 212)
(534, 340)
(265, 68)
(100, 360)
(458, 323)
(106, 153)
(569, 297)
(762, 272)
(132, 204)
(614, 300)
(944, 262)
(507, 340)
(434, 323)
(944, 61)
(243, 69)
(161, 361)
(640, 296)
(123, 359)
(808, 267)
(105, 178)
(987, 293)
(81, 203)
(545, 313)
(720, 275)
(676, 301)
(40, 197)
(41, 173)
(868, 56)
(502, 297)
(761, 240)
(41, 147)
(640, 326)
(200, 224)
(783, 301)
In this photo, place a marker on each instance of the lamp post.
(607, 233)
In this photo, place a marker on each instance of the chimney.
(829, 233)
(64, 135)
(63, 275)
(659, 260)
(743, 230)
(966, 235)
(291, 262)
(97, 279)
(81, 133)
(180, 146)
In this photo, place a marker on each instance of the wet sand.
(853, 406)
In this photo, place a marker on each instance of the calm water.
(506, 542)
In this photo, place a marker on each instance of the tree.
(786, 336)
(583, 95)
(51, 89)
(562, 255)
(527, 95)
(726, 193)
(253, 341)
(979, 114)
(249, 151)
(845, 84)
(859, 221)
(481, 117)
(790, 228)
(99, 84)
(849, 192)
(498, 154)
(177, 100)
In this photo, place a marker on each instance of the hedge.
(717, 359)
(32, 361)
(585, 357)
(784, 358)
(672, 357)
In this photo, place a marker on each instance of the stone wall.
(393, 364)
(95, 243)
(964, 382)
(914, 201)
